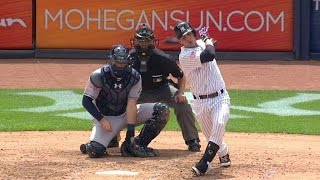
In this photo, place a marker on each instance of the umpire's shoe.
(201, 168)
(194, 145)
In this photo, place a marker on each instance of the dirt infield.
(56, 155)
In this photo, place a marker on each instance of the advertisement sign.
(315, 26)
(16, 24)
(98, 24)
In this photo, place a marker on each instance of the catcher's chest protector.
(112, 99)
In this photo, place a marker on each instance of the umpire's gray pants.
(182, 111)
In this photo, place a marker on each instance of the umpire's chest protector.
(113, 97)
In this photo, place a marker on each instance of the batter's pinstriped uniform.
(204, 79)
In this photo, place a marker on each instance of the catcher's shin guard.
(153, 126)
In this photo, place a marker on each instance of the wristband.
(130, 127)
(130, 131)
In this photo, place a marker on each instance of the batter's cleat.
(83, 148)
(201, 168)
(194, 145)
(225, 161)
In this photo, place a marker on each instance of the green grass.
(265, 122)
(12, 120)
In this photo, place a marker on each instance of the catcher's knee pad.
(95, 149)
(160, 114)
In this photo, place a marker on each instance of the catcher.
(111, 98)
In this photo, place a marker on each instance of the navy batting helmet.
(182, 29)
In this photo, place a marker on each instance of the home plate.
(117, 172)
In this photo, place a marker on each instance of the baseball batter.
(111, 98)
(211, 100)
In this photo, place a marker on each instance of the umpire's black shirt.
(159, 66)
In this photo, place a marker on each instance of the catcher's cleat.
(151, 152)
(201, 168)
(143, 152)
(194, 145)
(125, 151)
(225, 161)
(135, 150)
(83, 148)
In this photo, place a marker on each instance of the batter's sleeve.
(208, 54)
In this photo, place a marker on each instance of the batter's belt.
(215, 94)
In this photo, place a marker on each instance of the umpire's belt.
(208, 95)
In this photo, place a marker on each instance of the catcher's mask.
(144, 41)
(120, 61)
(182, 29)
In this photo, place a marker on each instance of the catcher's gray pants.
(183, 112)
(118, 123)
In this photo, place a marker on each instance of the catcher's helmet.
(144, 41)
(119, 55)
(182, 29)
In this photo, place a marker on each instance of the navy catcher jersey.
(111, 98)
